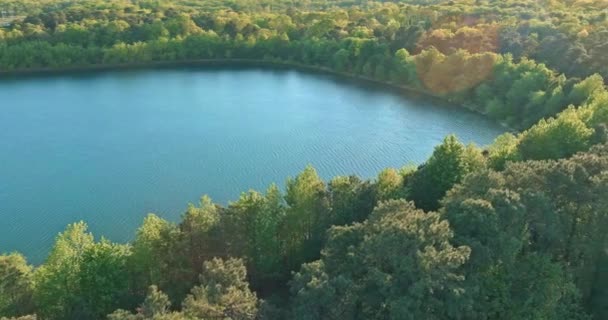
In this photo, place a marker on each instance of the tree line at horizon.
(516, 61)
(515, 231)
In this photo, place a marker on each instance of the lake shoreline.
(109, 147)
(251, 62)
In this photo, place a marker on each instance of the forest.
(517, 230)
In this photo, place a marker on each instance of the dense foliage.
(525, 242)
(476, 53)
(516, 231)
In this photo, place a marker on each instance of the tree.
(341, 59)
(103, 279)
(251, 227)
(159, 258)
(503, 149)
(155, 307)
(16, 285)
(81, 278)
(156, 303)
(307, 217)
(555, 138)
(389, 185)
(238, 223)
(57, 282)
(404, 68)
(519, 232)
(450, 162)
(201, 233)
(352, 200)
(223, 292)
(269, 270)
(586, 89)
(399, 264)
(455, 73)
(533, 231)
(182, 25)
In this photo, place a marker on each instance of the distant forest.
(518, 230)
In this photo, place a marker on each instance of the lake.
(110, 147)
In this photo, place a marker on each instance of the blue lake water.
(110, 147)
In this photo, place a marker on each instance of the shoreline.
(251, 62)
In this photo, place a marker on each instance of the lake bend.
(110, 147)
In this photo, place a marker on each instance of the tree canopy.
(517, 230)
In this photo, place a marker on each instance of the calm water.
(110, 147)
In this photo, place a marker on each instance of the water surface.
(110, 147)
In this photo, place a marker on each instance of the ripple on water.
(110, 147)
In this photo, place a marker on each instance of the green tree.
(533, 231)
(268, 254)
(200, 228)
(103, 278)
(251, 227)
(155, 307)
(450, 162)
(404, 70)
(81, 278)
(16, 285)
(503, 149)
(307, 218)
(352, 200)
(555, 138)
(223, 293)
(399, 264)
(390, 185)
(585, 89)
(182, 25)
(159, 258)
(57, 282)
(156, 303)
